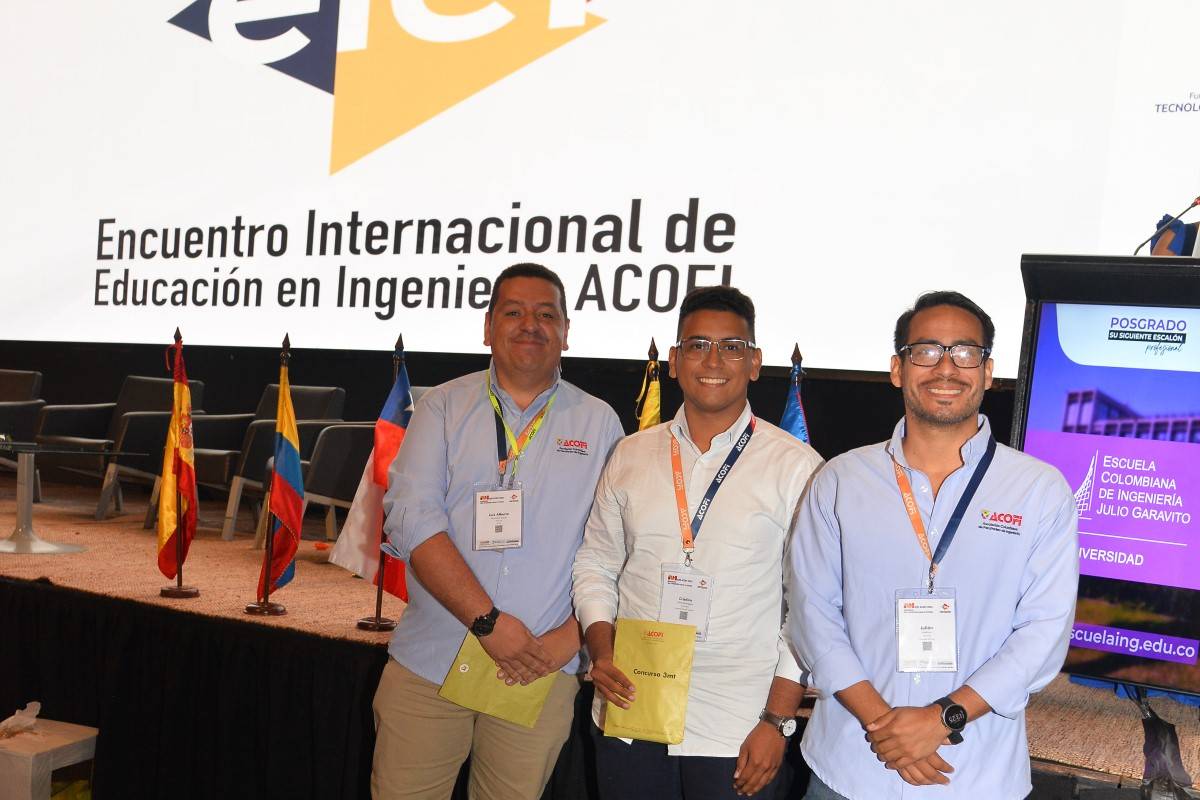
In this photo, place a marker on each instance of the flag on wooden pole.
(648, 405)
(177, 492)
(357, 547)
(794, 420)
(287, 488)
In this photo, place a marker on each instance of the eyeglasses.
(695, 348)
(929, 354)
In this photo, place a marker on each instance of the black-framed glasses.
(694, 348)
(929, 354)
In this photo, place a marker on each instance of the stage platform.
(194, 698)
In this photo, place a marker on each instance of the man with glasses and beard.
(933, 584)
(744, 688)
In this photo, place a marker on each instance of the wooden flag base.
(266, 609)
(376, 624)
(179, 592)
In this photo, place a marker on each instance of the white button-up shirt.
(1014, 583)
(634, 529)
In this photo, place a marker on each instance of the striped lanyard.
(689, 529)
(914, 514)
(510, 447)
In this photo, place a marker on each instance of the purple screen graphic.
(1127, 438)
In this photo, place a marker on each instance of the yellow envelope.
(657, 658)
(472, 683)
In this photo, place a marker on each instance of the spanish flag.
(648, 405)
(177, 490)
(287, 492)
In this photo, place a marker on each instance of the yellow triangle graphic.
(399, 81)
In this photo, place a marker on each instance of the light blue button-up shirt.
(450, 446)
(1013, 566)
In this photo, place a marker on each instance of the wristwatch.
(483, 624)
(954, 717)
(785, 725)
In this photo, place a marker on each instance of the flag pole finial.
(797, 359)
(285, 354)
(653, 352)
(178, 336)
(397, 357)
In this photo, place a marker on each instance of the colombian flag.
(287, 493)
(177, 489)
(357, 547)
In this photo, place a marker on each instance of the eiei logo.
(391, 65)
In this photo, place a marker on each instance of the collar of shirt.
(721, 441)
(510, 407)
(971, 452)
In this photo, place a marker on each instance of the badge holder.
(685, 597)
(498, 512)
(926, 630)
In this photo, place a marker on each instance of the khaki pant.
(422, 740)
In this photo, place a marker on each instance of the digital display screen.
(1114, 403)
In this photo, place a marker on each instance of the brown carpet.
(121, 561)
(1068, 724)
(1084, 727)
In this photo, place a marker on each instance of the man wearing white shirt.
(933, 585)
(744, 688)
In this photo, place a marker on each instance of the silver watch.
(785, 725)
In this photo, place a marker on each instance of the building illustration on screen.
(1092, 411)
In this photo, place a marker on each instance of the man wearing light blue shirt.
(933, 584)
(520, 426)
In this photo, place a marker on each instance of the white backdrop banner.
(345, 170)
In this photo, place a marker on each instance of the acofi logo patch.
(390, 65)
(577, 446)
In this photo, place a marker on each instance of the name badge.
(686, 598)
(498, 516)
(926, 633)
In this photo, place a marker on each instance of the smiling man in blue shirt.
(520, 426)
(933, 584)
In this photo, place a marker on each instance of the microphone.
(1169, 223)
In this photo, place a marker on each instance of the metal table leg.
(23, 539)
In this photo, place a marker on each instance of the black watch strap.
(484, 623)
(954, 717)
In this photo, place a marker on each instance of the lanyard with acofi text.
(690, 529)
(914, 514)
(511, 447)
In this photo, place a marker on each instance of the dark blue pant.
(644, 771)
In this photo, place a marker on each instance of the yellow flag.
(649, 399)
(657, 657)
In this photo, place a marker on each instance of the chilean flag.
(357, 547)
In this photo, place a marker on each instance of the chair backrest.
(309, 402)
(143, 393)
(338, 459)
(20, 384)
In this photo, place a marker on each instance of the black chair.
(336, 467)
(137, 421)
(233, 449)
(20, 405)
(332, 475)
(20, 384)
